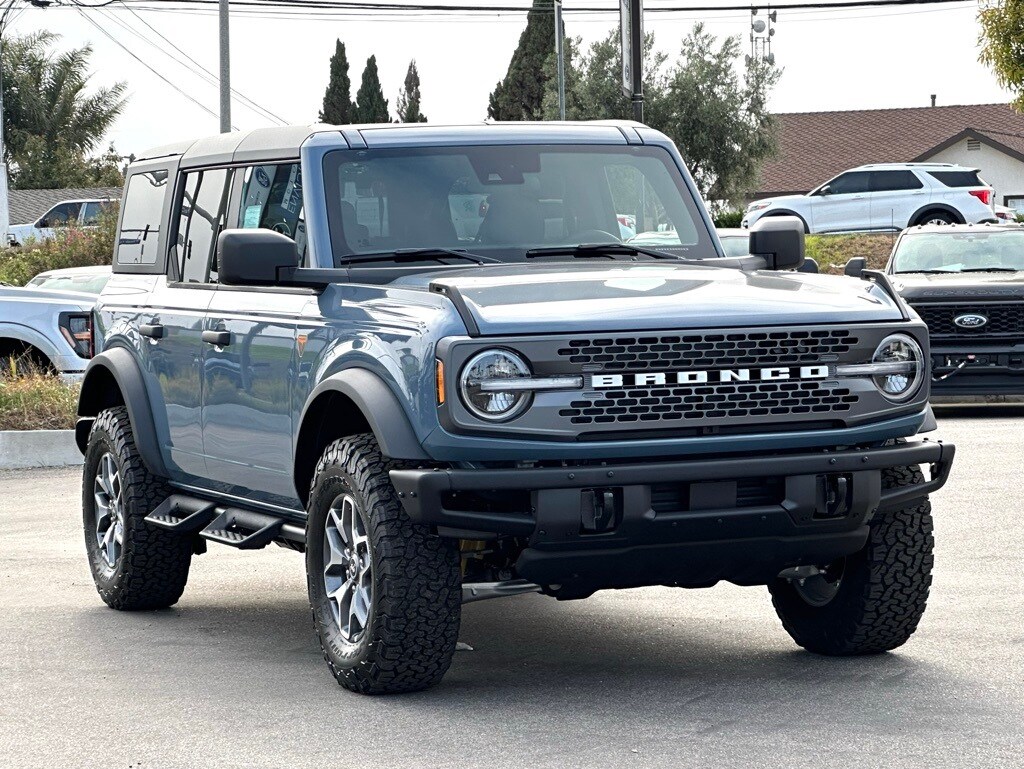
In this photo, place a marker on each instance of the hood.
(46, 296)
(971, 286)
(571, 298)
(780, 199)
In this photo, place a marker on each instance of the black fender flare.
(375, 403)
(117, 367)
(787, 212)
(944, 207)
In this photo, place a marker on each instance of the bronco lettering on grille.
(714, 376)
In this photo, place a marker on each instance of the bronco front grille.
(1003, 319)
(701, 350)
(680, 403)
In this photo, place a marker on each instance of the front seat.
(512, 218)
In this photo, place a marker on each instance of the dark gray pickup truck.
(435, 361)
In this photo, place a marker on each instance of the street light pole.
(225, 70)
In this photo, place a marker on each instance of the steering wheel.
(596, 236)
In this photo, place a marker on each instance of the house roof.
(26, 206)
(815, 146)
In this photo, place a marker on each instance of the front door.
(842, 204)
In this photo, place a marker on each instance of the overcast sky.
(848, 59)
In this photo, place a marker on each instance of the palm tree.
(49, 117)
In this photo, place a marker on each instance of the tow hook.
(800, 573)
(948, 374)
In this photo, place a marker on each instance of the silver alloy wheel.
(348, 569)
(108, 495)
(936, 220)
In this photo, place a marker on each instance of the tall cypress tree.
(371, 106)
(337, 107)
(520, 95)
(409, 97)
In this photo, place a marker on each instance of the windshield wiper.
(417, 255)
(926, 272)
(991, 269)
(599, 250)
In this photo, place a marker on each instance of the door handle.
(218, 338)
(153, 330)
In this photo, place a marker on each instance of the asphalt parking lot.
(232, 675)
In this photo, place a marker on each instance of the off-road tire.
(152, 569)
(410, 636)
(884, 587)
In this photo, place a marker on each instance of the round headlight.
(899, 366)
(481, 385)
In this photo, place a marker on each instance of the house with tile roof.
(815, 146)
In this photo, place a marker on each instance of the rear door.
(895, 196)
(250, 371)
(842, 204)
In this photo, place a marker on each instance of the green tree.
(370, 106)
(51, 121)
(1002, 44)
(520, 94)
(409, 97)
(719, 121)
(338, 105)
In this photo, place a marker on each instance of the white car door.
(842, 204)
(61, 215)
(895, 197)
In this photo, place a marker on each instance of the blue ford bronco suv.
(439, 362)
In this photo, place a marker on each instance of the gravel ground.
(232, 677)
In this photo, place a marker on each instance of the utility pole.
(631, 27)
(225, 70)
(560, 56)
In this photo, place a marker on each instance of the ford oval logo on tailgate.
(970, 320)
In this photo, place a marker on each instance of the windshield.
(998, 251)
(501, 201)
(88, 284)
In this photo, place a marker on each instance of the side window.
(91, 213)
(140, 220)
(203, 209)
(61, 215)
(892, 181)
(849, 183)
(272, 200)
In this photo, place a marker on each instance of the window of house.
(140, 221)
(203, 209)
(272, 200)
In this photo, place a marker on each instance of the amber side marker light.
(440, 383)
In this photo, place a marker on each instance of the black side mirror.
(855, 267)
(780, 240)
(809, 265)
(253, 257)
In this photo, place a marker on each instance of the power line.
(203, 72)
(382, 6)
(123, 47)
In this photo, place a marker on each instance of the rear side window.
(891, 181)
(958, 178)
(203, 209)
(91, 212)
(140, 220)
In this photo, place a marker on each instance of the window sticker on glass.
(251, 219)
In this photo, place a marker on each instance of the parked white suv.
(81, 213)
(886, 197)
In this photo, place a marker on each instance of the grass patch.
(35, 400)
(832, 252)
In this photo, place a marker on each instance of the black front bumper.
(968, 369)
(714, 531)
